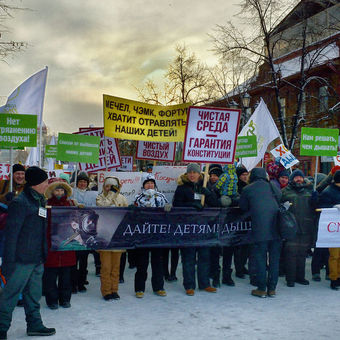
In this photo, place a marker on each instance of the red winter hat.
(335, 169)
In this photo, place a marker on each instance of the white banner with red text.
(329, 229)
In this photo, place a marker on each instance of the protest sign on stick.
(211, 135)
(287, 159)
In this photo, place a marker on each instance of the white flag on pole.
(262, 125)
(28, 98)
(33, 157)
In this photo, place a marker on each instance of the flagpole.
(41, 120)
(316, 171)
(11, 169)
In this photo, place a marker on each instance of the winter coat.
(111, 199)
(258, 199)
(59, 258)
(85, 197)
(4, 189)
(188, 193)
(156, 200)
(302, 206)
(26, 231)
(329, 196)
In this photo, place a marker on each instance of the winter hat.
(18, 167)
(240, 170)
(194, 167)
(335, 169)
(113, 181)
(295, 173)
(283, 173)
(337, 177)
(149, 167)
(215, 169)
(58, 183)
(65, 177)
(148, 178)
(83, 176)
(34, 176)
(273, 170)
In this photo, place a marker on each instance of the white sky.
(103, 46)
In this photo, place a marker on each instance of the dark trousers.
(79, 271)
(173, 263)
(122, 266)
(188, 263)
(215, 268)
(142, 262)
(57, 285)
(26, 279)
(320, 259)
(263, 252)
(295, 257)
(131, 257)
(96, 257)
(228, 253)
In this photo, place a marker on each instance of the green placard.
(78, 148)
(51, 151)
(17, 131)
(246, 146)
(319, 142)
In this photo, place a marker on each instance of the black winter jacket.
(330, 196)
(25, 232)
(258, 198)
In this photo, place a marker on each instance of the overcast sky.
(103, 46)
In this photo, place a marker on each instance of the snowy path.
(311, 312)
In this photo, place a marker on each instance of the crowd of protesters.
(31, 269)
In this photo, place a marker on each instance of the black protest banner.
(111, 228)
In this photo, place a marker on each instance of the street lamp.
(246, 100)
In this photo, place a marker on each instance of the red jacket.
(59, 258)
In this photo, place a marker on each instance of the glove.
(197, 205)
(7, 269)
(205, 191)
(225, 201)
(167, 207)
(9, 196)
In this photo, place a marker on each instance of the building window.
(323, 98)
(283, 107)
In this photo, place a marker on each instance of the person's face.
(193, 176)
(19, 177)
(41, 188)
(298, 179)
(213, 178)
(59, 192)
(283, 180)
(149, 185)
(107, 187)
(244, 177)
(82, 184)
(149, 170)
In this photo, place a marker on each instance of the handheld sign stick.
(205, 181)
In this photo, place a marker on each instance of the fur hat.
(18, 167)
(194, 167)
(147, 178)
(215, 169)
(34, 176)
(113, 181)
(56, 184)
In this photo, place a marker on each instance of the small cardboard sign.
(246, 146)
(51, 151)
(287, 159)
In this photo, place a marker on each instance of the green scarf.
(40, 198)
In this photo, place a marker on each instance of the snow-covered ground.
(302, 312)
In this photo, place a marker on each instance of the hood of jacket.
(258, 173)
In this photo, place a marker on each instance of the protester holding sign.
(110, 259)
(18, 184)
(57, 284)
(24, 254)
(258, 199)
(299, 194)
(329, 198)
(188, 194)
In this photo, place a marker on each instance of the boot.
(3, 335)
(41, 331)
(227, 280)
(316, 277)
(334, 285)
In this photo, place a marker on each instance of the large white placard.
(329, 229)
(211, 135)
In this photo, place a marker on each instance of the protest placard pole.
(11, 169)
(205, 181)
(105, 147)
(316, 171)
(76, 175)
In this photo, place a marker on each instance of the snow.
(303, 312)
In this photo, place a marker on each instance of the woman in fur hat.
(58, 266)
(110, 259)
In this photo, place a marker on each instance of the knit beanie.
(283, 173)
(215, 169)
(65, 177)
(18, 167)
(295, 173)
(83, 176)
(34, 176)
(335, 169)
(240, 170)
(337, 177)
(194, 167)
(273, 170)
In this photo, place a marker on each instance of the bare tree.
(8, 47)
(186, 81)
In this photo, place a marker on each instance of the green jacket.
(301, 206)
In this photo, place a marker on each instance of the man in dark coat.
(329, 198)
(24, 254)
(299, 194)
(259, 199)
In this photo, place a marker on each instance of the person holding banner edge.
(188, 194)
